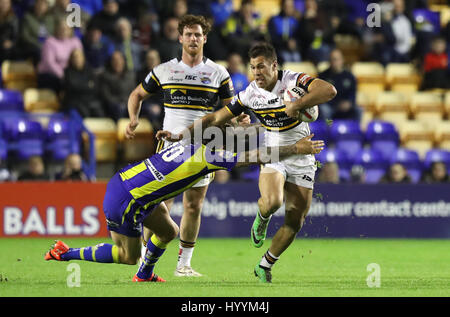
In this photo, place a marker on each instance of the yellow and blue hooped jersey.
(171, 171)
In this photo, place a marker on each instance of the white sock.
(184, 257)
(266, 263)
(264, 218)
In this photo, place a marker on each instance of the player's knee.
(128, 257)
(273, 203)
(193, 207)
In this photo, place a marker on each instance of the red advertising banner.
(33, 209)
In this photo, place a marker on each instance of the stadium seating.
(322, 66)
(402, 74)
(368, 72)
(320, 130)
(301, 67)
(18, 75)
(416, 135)
(105, 131)
(427, 107)
(347, 136)
(442, 135)
(11, 100)
(392, 106)
(339, 157)
(437, 155)
(41, 100)
(25, 137)
(63, 138)
(141, 146)
(383, 137)
(447, 104)
(373, 163)
(3, 150)
(410, 160)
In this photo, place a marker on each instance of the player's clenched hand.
(308, 146)
(131, 127)
(242, 119)
(290, 111)
(167, 136)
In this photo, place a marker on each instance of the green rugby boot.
(259, 231)
(263, 274)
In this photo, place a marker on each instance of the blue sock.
(102, 253)
(155, 249)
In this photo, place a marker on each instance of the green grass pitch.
(310, 267)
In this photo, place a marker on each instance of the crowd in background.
(94, 67)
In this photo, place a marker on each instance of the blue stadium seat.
(382, 136)
(410, 160)
(339, 157)
(25, 136)
(437, 155)
(62, 138)
(320, 130)
(11, 100)
(3, 149)
(347, 136)
(374, 164)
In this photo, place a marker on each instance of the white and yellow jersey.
(268, 107)
(188, 92)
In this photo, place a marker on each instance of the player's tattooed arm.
(319, 91)
(215, 119)
(273, 154)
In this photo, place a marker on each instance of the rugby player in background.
(289, 180)
(192, 86)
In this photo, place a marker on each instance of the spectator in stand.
(72, 170)
(437, 174)
(115, 85)
(329, 173)
(5, 174)
(55, 56)
(152, 107)
(343, 106)
(180, 8)
(106, 19)
(98, 48)
(124, 43)
(282, 28)
(35, 170)
(394, 39)
(9, 29)
(91, 7)
(397, 173)
(147, 29)
(221, 11)
(435, 66)
(169, 46)
(81, 87)
(236, 69)
(37, 25)
(243, 28)
(316, 32)
(59, 11)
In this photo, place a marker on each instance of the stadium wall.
(337, 211)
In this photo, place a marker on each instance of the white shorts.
(204, 181)
(294, 172)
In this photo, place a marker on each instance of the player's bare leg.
(298, 201)
(189, 227)
(271, 184)
(147, 233)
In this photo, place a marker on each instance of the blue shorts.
(116, 201)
